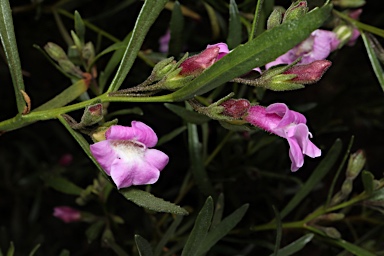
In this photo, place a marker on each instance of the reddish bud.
(309, 73)
(195, 65)
(66, 160)
(67, 214)
(235, 108)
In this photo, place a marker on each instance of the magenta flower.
(126, 156)
(278, 119)
(223, 50)
(67, 214)
(164, 41)
(317, 46)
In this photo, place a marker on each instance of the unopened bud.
(308, 73)
(347, 186)
(92, 115)
(235, 108)
(67, 214)
(343, 33)
(276, 17)
(195, 65)
(332, 232)
(355, 164)
(55, 52)
(296, 10)
(69, 67)
(88, 52)
(349, 3)
(162, 68)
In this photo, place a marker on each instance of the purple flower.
(223, 50)
(278, 119)
(126, 156)
(316, 47)
(66, 214)
(164, 41)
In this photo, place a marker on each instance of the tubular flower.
(67, 214)
(316, 47)
(291, 125)
(126, 156)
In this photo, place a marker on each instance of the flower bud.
(55, 52)
(163, 68)
(332, 232)
(349, 3)
(355, 164)
(276, 17)
(66, 160)
(235, 108)
(296, 10)
(308, 73)
(344, 34)
(92, 115)
(67, 214)
(70, 68)
(347, 186)
(88, 52)
(195, 65)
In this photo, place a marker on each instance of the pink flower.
(126, 156)
(164, 41)
(196, 64)
(278, 119)
(67, 214)
(317, 46)
(223, 50)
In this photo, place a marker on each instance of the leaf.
(318, 174)
(11, 249)
(279, 231)
(352, 248)
(234, 31)
(376, 66)
(147, 16)
(79, 26)
(367, 178)
(187, 115)
(168, 235)
(263, 49)
(94, 230)
(295, 246)
(200, 229)
(34, 250)
(111, 48)
(143, 246)
(8, 41)
(222, 229)
(63, 185)
(65, 97)
(150, 202)
(64, 252)
(170, 136)
(176, 27)
(219, 209)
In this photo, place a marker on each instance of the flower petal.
(104, 154)
(138, 132)
(295, 154)
(122, 172)
(146, 174)
(288, 116)
(223, 49)
(156, 158)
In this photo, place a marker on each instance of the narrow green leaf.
(94, 230)
(65, 97)
(219, 210)
(168, 235)
(11, 249)
(367, 178)
(234, 31)
(295, 246)
(200, 229)
(352, 248)
(64, 252)
(188, 115)
(279, 231)
(34, 250)
(263, 49)
(143, 246)
(222, 229)
(147, 16)
(112, 63)
(177, 28)
(197, 165)
(63, 185)
(8, 41)
(79, 26)
(150, 202)
(376, 66)
(111, 48)
(317, 175)
(378, 196)
(170, 136)
(256, 19)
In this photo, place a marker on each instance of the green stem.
(360, 25)
(24, 120)
(256, 20)
(218, 148)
